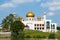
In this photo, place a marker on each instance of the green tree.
(58, 28)
(17, 28)
(6, 23)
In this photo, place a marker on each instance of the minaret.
(44, 19)
(44, 16)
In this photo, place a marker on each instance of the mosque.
(39, 23)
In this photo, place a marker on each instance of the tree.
(58, 28)
(17, 28)
(6, 23)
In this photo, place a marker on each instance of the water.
(5, 38)
(27, 39)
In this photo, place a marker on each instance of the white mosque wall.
(31, 25)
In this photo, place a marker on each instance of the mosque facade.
(39, 23)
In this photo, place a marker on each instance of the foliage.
(35, 34)
(57, 35)
(6, 22)
(52, 36)
(39, 34)
(17, 28)
(58, 28)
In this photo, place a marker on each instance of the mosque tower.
(44, 19)
(44, 16)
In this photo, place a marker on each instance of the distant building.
(39, 23)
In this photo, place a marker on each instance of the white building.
(41, 24)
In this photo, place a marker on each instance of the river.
(27, 39)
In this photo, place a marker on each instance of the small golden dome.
(38, 18)
(30, 14)
(20, 17)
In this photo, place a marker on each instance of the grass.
(57, 35)
(36, 34)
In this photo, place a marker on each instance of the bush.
(52, 36)
(27, 36)
(36, 36)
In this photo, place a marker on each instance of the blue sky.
(21, 7)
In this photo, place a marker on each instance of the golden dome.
(38, 18)
(30, 14)
(20, 17)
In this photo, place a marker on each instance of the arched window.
(53, 26)
(48, 24)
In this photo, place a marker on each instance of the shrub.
(27, 36)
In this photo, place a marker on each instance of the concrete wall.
(5, 34)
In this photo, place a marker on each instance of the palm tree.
(6, 23)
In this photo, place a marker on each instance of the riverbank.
(33, 34)
(39, 34)
(27, 39)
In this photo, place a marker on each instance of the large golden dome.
(30, 14)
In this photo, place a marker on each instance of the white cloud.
(53, 5)
(6, 5)
(38, 0)
(13, 3)
(50, 14)
(54, 8)
(56, 0)
(50, 4)
(24, 1)
(21, 1)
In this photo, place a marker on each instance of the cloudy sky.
(21, 7)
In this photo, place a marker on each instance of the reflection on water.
(37, 39)
(5, 38)
(27, 39)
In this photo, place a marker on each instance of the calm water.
(28, 39)
(5, 39)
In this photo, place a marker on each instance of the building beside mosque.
(39, 23)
